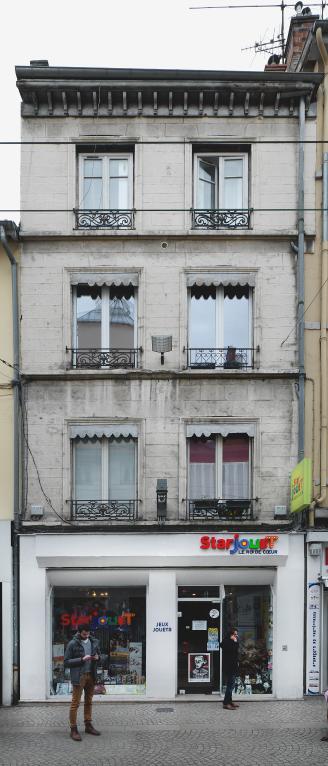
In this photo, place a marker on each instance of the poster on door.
(213, 644)
(199, 667)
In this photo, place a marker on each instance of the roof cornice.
(93, 92)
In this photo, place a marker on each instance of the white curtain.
(88, 471)
(235, 481)
(121, 471)
(201, 481)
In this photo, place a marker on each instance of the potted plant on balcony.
(232, 361)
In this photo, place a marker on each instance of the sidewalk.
(269, 733)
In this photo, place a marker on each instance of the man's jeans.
(229, 689)
(86, 683)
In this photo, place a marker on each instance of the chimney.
(274, 64)
(299, 30)
(39, 62)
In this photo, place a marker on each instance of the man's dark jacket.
(230, 651)
(74, 657)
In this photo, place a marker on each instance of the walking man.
(81, 657)
(230, 650)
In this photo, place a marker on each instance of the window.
(105, 328)
(117, 617)
(220, 191)
(104, 472)
(105, 191)
(220, 323)
(250, 609)
(220, 471)
(219, 467)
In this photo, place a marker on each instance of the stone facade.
(162, 251)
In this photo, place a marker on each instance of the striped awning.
(221, 278)
(116, 430)
(105, 278)
(223, 429)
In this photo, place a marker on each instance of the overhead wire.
(46, 497)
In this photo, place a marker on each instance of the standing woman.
(230, 652)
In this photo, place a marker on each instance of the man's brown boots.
(75, 734)
(90, 730)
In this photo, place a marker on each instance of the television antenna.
(274, 43)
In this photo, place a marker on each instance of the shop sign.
(162, 627)
(96, 620)
(301, 486)
(313, 619)
(262, 545)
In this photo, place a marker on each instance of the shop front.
(160, 604)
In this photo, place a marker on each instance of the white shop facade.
(159, 603)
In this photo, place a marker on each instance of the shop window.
(249, 609)
(117, 617)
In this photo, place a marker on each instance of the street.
(192, 733)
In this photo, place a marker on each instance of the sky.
(121, 33)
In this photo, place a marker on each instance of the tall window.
(106, 182)
(220, 320)
(105, 317)
(219, 467)
(221, 181)
(104, 468)
(105, 327)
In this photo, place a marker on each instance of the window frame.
(105, 444)
(105, 158)
(105, 317)
(219, 178)
(219, 467)
(219, 317)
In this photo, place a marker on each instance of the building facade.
(307, 50)
(161, 374)
(9, 486)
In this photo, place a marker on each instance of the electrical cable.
(46, 497)
(303, 315)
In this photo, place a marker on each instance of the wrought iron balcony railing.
(104, 510)
(217, 510)
(221, 219)
(104, 358)
(104, 219)
(229, 358)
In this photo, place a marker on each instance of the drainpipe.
(324, 276)
(300, 281)
(16, 383)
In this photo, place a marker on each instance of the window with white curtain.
(106, 182)
(220, 317)
(221, 181)
(104, 316)
(105, 468)
(219, 467)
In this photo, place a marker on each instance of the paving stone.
(259, 733)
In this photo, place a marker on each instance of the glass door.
(199, 640)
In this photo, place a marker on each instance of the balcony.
(104, 219)
(229, 358)
(104, 510)
(220, 510)
(104, 358)
(220, 219)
